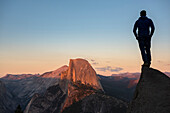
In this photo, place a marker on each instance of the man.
(145, 29)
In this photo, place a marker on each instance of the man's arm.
(152, 28)
(134, 30)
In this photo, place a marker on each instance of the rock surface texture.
(82, 81)
(56, 73)
(50, 102)
(78, 86)
(81, 71)
(152, 93)
(97, 103)
(22, 90)
(7, 104)
(19, 89)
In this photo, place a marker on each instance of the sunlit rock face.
(152, 93)
(56, 73)
(78, 83)
(81, 71)
(82, 81)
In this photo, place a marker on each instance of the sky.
(37, 36)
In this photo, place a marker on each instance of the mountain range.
(74, 88)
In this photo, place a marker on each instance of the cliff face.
(76, 92)
(50, 102)
(81, 71)
(77, 83)
(85, 93)
(82, 81)
(2, 96)
(6, 100)
(97, 103)
(19, 90)
(152, 93)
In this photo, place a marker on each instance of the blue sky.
(40, 35)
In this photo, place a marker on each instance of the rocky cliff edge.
(152, 93)
(80, 70)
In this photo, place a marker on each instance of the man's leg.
(142, 49)
(148, 52)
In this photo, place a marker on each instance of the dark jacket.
(143, 24)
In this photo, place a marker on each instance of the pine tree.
(18, 110)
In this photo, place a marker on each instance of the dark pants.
(145, 45)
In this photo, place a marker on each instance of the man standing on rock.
(145, 28)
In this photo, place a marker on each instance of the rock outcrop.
(78, 83)
(50, 102)
(77, 91)
(82, 81)
(20, 90)
(3, 108)
(97, 103)
(152, 93)
(7, 104)
(81, 71)
(56, 73)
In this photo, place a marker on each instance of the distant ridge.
(56, 73)
(19, 76)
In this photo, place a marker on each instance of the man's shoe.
(146, 64)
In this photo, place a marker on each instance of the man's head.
(143, 13)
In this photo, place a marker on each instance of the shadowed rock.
(78, 83)
(152, 93)
(82, 81)
(97, 103)
(50, 102)
(7, 104)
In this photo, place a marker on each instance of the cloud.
(109, 68)
(93, 62)
(117, 69)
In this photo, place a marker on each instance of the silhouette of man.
(143, 31)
